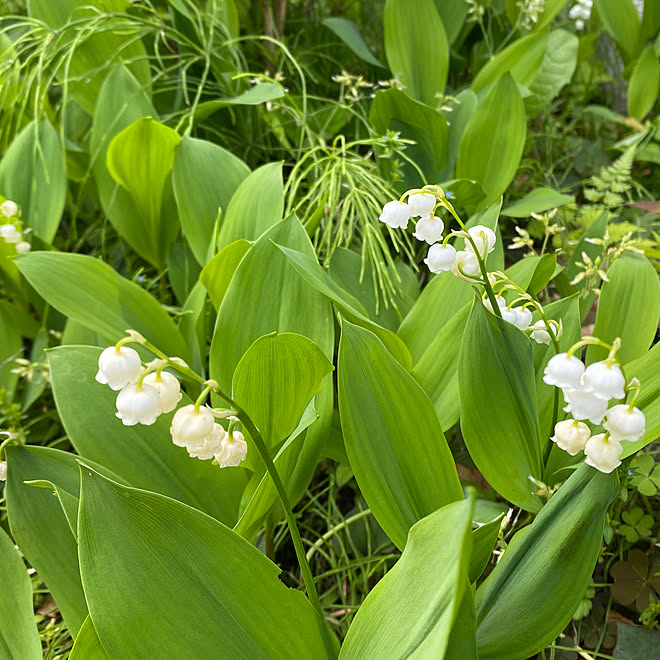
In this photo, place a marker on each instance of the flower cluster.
(11, 232)
(146, 392)
(580, 12)
(587, 392)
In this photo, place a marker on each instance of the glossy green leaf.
(205, 176)
(40, 527)
(140, 159)
(309, 270)
(535, 589)
(410, 612)
(416, 48)
(108, 303)
(142, 455)
(484, 539)
(493, 141)
(458, 119)
(19, 637)
(88, 645)
(218, 272)
(622, 22)
(498, 405)
(393, 439)
(644, 83)
(256, 206)
(629, 308)
(349, 33)
(453, 14)
(212, 589)
(33, 174)
(276, 379)
(537, 201)
(393, 110)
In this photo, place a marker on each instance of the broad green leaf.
(40, 528)
(493, 140)
(349, 33)
(19, 637)
(550, 9)
(453, 14)
(622, 22)
(140, 159)
(644, 83)
(410, 612)
(107, 303)
(416, 48)
(395, 111)
(498, 405)
(276, 379)
(88, 645)
(194, 326)
(458, 119)
(211, 588)
(484, 539)
(256, 206)
(216, 275)
(650, 21)
(11, 347)
(535, 589)
(142, 455)
(311, 272)
(521, 59)
(261, 93)
(629, 308)
(33, 174)
(556, 70)
(537, 201)
(205, 176)
(92, 50)
(393, 439)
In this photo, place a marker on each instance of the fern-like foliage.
(610, 188)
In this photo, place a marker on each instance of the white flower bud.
(23, 247)
(483, 238)
(540, 333)
(523, 318)
(396, 214)
(571, 435)
(118, 368)
(8, 208)
(190, 427)
(168, 388)
(501, 303)
(233, 450)
(466, 266)
(10, 233)
(137, 405)
(605, 381)
(440, 258)
(210, 446)
(585, 405)
(3, 471)
(603, 453)
(421, 204)
(625, 423)
(564, 371)
(429, 229)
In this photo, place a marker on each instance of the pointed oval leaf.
(349, 33)
(88, 645)
(644, 83)
(622, 22)
(216, 275)
(393, 439)
(212, 589)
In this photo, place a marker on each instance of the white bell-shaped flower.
(421, 204)
(585, 405)
(571, 435)
(540, 333)
(8, 208)
(190, 427)
(3, 471)
(10, 233)
(118, 367)
(429, 229)
(501, 303)
(23, 247)
(602, 452)
(483, 237)
(210, 446)
(564, 371)
(440, 258)
(604, 380)
(233, 450)
(625, 423)
(466, 266)
(168, 388)
(396, 214)
(523, 318)
(137, 405)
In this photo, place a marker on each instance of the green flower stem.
(587, 341)
(337, 528)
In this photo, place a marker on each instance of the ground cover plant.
(329, 329)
